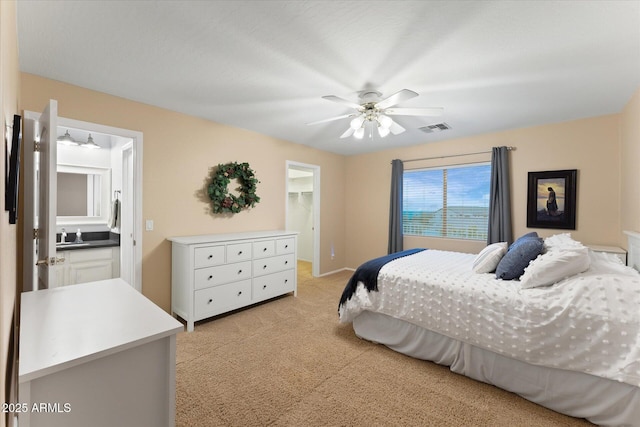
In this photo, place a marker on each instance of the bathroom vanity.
(97, 257)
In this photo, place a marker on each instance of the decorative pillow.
(517, 258)
(523, 238)
(561, 241)
(488, 258)
(555, 265)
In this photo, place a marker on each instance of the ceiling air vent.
(439, 127)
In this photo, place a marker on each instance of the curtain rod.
(453, 155)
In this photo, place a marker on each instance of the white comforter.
(588, 323)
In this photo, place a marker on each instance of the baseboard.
(336, 271)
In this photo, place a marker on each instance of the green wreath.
(223, 201)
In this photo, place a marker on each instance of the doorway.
(303, 210)
(123, 160)
(126, 164)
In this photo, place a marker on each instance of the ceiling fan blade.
(343, 101)
(433, 111)
(348, 132)
(395, 128)
(396, 98)
(332, 119)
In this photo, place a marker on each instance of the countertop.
(67, 326)
(90, 240)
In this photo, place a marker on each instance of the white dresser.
(216, 273)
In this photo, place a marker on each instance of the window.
(447, 202)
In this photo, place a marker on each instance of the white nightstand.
(619, 252)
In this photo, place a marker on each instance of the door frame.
(127, 194)
(137, 138)
(315, 267)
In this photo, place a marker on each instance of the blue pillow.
(520, 254)
(519, 240)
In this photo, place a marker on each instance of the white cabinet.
(213, 274)
(87, 265)
(100, 354)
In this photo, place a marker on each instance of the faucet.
(63, 236)
(78, 237)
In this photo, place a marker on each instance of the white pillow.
(555, 265)
(561, 241)
(488, 258)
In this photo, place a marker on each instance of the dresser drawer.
(273, 264)
(221, 274)
(271, 285)
(221, 298)
(208, 256)
(264, 248)
(285, 246)
(238, 252)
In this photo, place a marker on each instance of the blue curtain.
(499, 198)
(395, 209)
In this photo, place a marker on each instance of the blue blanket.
(367, 273)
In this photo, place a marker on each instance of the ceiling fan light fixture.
(66, 139)
(90, 143)
(383, 131)
(373, 112)
(357, 122)
(385, 121)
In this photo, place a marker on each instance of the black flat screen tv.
(13, 171)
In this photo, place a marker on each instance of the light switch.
(149, 225)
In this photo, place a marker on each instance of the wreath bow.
(222, 200)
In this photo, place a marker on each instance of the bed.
(564, 332)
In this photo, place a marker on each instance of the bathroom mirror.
(83, 195)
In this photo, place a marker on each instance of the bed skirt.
(599, 400)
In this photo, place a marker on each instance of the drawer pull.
(210, 256)
(286, 246)
(240, 253)
(210, 277)
(264, 250)
(239, 271)
(210, 301)
(264, 266)
(286, 280)
(286, 262)
(264, 286)
(239, 293)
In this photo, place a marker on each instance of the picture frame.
(12, 165)
(551, 199)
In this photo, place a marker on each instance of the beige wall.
(178, 153)
(179, 150)
(592, 146)
(630, 167)
(9, 90)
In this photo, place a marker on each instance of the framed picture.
(551, 199)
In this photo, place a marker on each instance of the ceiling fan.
(374, 112)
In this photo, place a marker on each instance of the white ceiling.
(264, 65)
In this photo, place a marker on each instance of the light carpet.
(288, 362)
